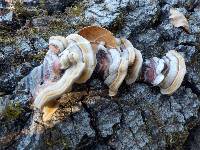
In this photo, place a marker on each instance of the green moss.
(20, 10)
(6, 39)
(58, 139)
(176, 140)
(63, 141)
(118, 23)
(39, 57)
(29, 32)
(13, 111)
(75, 10)
(42, 3)
(24, 13)
(57, 25)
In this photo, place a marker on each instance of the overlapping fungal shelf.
(115, 60)
(121, 63)
(78, 60)
(167, 72)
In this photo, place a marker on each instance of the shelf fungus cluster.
(95, 49)
(167, 72)
(78, 62)
(117, 59)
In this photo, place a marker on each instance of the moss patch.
(39, 57)
(118, 23)
(19, 8)
(22, 12)
(57, 26)
(13, 111)
(76, 10)
(53, 138)
(175, 140)
(6, 39)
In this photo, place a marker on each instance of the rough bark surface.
(139, 117)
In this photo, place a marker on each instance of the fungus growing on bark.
(114, 59)
(178, 19)
(167, 73)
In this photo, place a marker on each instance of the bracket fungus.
(172, 82)
(116, 57)
(167, 73)
(135, 61)
(88, 55)
(79, 61)
(95, 49)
